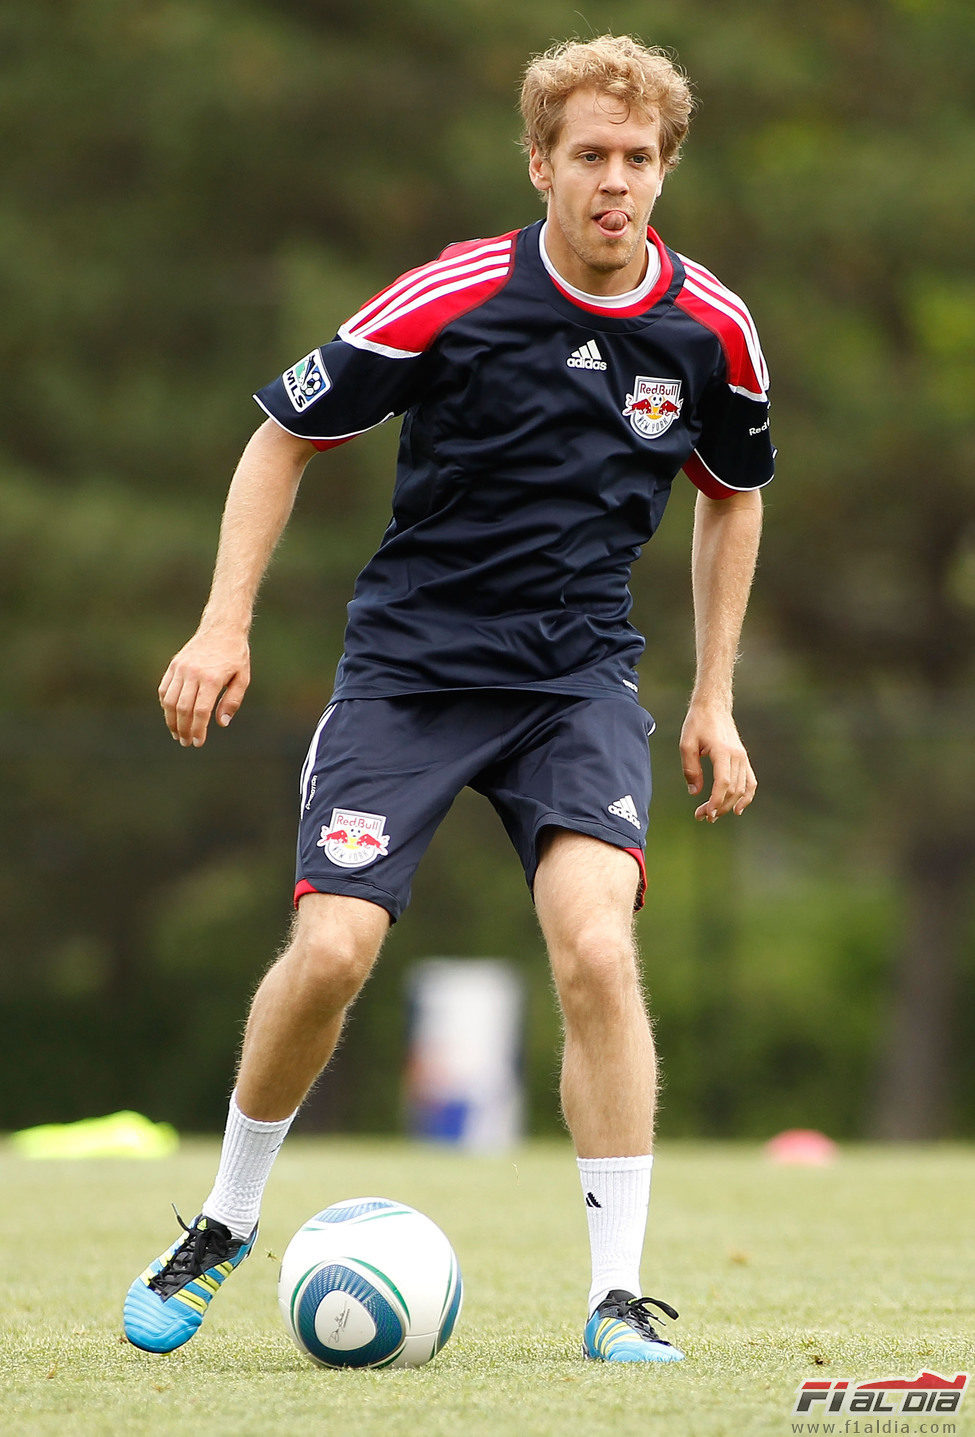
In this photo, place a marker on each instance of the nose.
(614, 176)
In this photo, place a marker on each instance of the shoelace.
(635, 1312)
(203, 1248)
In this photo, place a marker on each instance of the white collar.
(605, 301)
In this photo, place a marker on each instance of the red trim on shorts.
(641, 892)
(302, 888)
(323, 444)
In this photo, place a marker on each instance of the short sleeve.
(733, 452)
(376, 366)
(339, 391)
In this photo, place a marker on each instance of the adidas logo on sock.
(591, 1200)
(625, 808)
(587, 356)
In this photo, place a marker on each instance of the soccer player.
(553, 381)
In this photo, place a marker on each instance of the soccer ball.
(369, 1283)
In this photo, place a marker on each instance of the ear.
(539, 170)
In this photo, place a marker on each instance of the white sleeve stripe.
(748, 393)
(711, 283)
(747, 331)
(710, 286)
(484, 251)
(386, 350)
(393, 307)
(325, 438)
(717, 293)
(430, 273)
(459, 277)
(736, 488)
(410, 284)
(713, 286)
(427, 297)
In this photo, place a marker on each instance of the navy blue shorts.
(380, 775)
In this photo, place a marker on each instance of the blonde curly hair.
(643, 78)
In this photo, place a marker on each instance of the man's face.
(602, 178)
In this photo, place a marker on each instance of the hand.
(712, 733)
(214, 665)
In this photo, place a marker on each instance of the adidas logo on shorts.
(625, 808)
(587, 356)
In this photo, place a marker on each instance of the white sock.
(617, 1194)
(248, 1153)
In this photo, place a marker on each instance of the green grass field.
(862, 1270)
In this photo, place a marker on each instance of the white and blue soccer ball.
(370, 1283)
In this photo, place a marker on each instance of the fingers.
(751, 787)
(169, 690)
(692, 746)
(713, 735)
(733, 787)
(189, 694)
(187, 705)
(233, 697)
(691, 763)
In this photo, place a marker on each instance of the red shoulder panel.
(707, 300)
(404, 319)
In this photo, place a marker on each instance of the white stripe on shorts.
(309, 764)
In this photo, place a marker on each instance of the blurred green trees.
(194, 194)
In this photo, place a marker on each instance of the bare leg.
(298, 1010)
(584, 894)
(294, 1024)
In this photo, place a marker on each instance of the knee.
(595, 970)
(328, 963)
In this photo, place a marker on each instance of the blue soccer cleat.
(620, 1330)
(165, 1306)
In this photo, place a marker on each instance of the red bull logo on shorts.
(653, 406)
(353, 839)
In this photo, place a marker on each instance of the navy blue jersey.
(542, 432)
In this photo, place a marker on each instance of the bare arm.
(726, 537)
(216, 660)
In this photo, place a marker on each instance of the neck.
(575, 271)
(650, 267)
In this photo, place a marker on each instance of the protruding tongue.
(613, 220)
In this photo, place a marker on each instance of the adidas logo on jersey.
(587, 356)
(625, 808)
